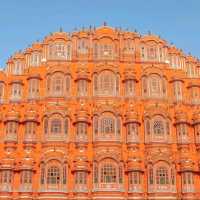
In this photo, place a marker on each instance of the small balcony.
(188, 189)
(108, 187)
(132, 138)
(108, 137)
(29, 138)
(183, 139)
(55, 138)
(6, 187)
(135, 189)
(161, 188)
(53, 188)
(81, 188)
(11, 137)
(81, 138)
(26, 188)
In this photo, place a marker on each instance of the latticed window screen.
(155, 86)
(187, 178)
(81, 128)
(33, 87)
(83, 46)
(11, 127)
(26, 177)
(107, 125)
(56, 126)
(132, 129)
(30, 127)
(158, 127)
(134, 178)
(151, 179)
(81, 177)
(5, 176)
(129, 87)
(152, 53)
(182, 129)
(16, 90)
(178, 90)
(162, 176)
(53, 175)
(108, 173)
(82, 87)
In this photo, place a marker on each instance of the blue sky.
(25, 21)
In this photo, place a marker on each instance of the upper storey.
(102, 44)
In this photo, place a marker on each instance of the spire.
(60, 30)
(104, 23)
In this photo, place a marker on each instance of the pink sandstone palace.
(100, 114)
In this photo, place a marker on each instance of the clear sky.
(25, 21)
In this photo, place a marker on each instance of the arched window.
(129, 87)
(33, 88)
(108, 173)
(17, 70)
(83, 46)
(82, 87)
(80, 178)
(152, 53)
(128, 46)
(30, 130)
(158, 127)
(135, 178)
(187, 182)
(11, 128)
(182, 132)
(107, 83)
(177, 88)
(58, 85)
(194, 94)
(56, 126)
(16, 92)
(26, 180)
(107, 125)
(58, 51)
(53, 175)
(155, 86)
(6, 176)
(162, 176)
(35, 59)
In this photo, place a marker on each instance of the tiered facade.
(100, 114)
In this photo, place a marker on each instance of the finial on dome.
(61, 29)
(104, 23)
(149, 32)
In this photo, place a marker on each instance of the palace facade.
(100, 114)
